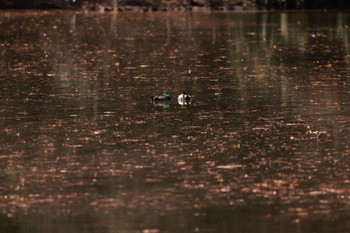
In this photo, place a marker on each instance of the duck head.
(161, 98)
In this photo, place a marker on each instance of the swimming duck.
(161, 98)
(184, 99)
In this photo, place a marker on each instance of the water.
(263, 147)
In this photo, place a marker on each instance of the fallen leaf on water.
(229, 166)
(329, 66)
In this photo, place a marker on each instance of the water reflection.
(264, 144)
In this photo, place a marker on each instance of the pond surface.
(263, 147)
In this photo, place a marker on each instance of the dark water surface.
(264, 146)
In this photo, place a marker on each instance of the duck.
(161, 98)
(184, 99)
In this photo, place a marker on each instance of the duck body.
(161, 98)
(184, 99)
